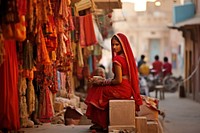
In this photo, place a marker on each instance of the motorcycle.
(171, 83)
(149, 82)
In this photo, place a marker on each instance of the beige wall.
(141, 27)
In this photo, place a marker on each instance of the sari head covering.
(132, 69)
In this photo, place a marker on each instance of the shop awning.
(193, 21)
(108, 4)
(183, 12)
(184, 15)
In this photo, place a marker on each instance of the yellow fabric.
(20, 29)
(144, 69)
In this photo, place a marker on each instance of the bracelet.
(107, 82)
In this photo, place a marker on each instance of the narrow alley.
(82, 66)
(182, 116)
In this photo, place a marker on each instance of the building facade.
(149, 34)
(190, 28)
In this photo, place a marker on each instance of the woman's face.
(116, 46)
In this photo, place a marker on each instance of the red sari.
(98, 96)
(9, 108)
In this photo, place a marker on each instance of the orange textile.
(9, 108)
(42, 53)
(45, 105)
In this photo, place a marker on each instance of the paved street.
(182, 116)
(48, 128)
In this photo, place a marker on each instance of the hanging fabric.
(82, 32)
(90, 36)
(30, 97)
(51, 35)
(27, 55)
(20, 29)
(42, 53)
(9, 101)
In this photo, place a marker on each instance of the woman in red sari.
(124, 85)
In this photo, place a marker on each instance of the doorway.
(154, 48)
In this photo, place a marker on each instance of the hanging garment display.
(45, 42)
(42, 53)
(9, 101)
(89, 30)
(50, 35)
(2, 49)
(30, 97)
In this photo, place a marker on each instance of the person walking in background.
(167, 67)
(157, 65)
(143, 68)
(124, 85)
(141, 61)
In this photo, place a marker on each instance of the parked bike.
(149, 82)
(171, 83)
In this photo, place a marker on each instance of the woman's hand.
(96, 80)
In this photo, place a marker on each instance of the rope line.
(188, 78)
(195, 70)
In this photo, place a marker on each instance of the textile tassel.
(31, 97)
(28, 55)
(82, 33)
(22, 101)
(80, 62)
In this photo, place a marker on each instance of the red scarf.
(133, 72)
